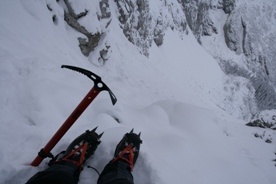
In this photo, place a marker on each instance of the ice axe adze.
(91, 95)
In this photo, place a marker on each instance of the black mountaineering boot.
(118, 170)
(81, 149)
(66, 166)
(128, 149)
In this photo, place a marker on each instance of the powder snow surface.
(175, 98)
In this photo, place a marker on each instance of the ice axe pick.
(91, 95)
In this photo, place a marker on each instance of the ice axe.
(91, 95)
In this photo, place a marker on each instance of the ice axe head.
(98, 83)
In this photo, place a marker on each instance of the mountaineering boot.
(81, 149)
(67, 165)
(118, 170)
(128, 149)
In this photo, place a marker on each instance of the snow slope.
(175, 98)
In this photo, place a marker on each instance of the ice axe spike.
(91, 95)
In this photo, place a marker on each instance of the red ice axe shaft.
(91, 95)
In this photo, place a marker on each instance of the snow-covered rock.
(247, 28)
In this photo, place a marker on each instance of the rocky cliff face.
(198, 18)
(249, 32)
(246, 28)
(143, 27)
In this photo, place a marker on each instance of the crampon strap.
(129, 150)
(54, 159)
(80, 161)
(42, 154)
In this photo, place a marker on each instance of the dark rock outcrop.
(141, 27)
(91, 41)
(252, 37)
(228, 5)
(198, 18)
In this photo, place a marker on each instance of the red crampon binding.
(128, 150)
(81, 159)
